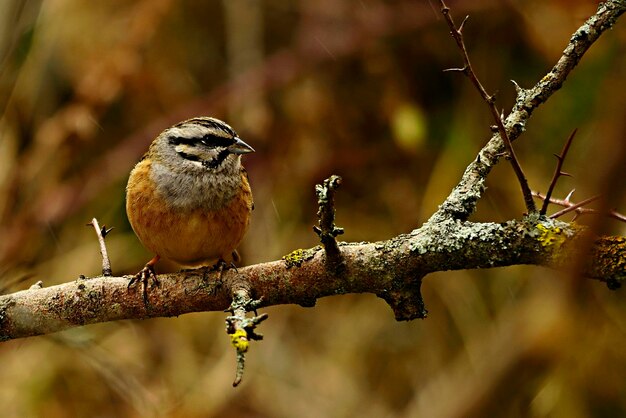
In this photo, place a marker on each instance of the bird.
(188, 199)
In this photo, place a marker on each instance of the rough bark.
(391, 269)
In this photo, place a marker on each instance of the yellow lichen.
(239, 340)
(299, 256)
(294, 258)
(551, 238)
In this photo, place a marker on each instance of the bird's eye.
(212, 140)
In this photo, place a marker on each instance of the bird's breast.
(190, 221)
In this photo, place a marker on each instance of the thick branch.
(461, 202)
(383, 268)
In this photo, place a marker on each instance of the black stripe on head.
(215, 162)
(179, 140)
(209, 123)
(189, 157)
(210, 140)
(222, 135)
(218, 125)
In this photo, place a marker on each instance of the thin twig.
(241, 328)
(580, 210)
(557, 172)
(616, 215)
(574, 206)
(101, 233)
(457, 34)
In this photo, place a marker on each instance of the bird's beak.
(240, 147)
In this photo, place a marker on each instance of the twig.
(457, 34)
(557, 172)
(461, 202)
(241, 328)
(616, 215)
(101, 233)
(327, 230)
(580, 210)
(573, 207)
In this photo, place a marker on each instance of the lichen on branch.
(384, 268)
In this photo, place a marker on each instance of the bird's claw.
(144, 277)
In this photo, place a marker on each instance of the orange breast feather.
(190, 237)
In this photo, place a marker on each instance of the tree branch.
(558, 172)
(566, 203)
(490, 100)
(302, 277)
(461, 202)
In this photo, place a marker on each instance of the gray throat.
(193, 189)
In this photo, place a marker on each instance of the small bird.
(188, 199)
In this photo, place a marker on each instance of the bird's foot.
(144, 277)
(220, 267)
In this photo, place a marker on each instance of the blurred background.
(353, 88)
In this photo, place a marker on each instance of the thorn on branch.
(327, 231)
(242, 328)
(457, 35)
(101, 233)
(557, 172)
(462, 25)
(38, 285)
(518, 89)
(456, 70)
(573, 207)
(578, 207)
(104, 231)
